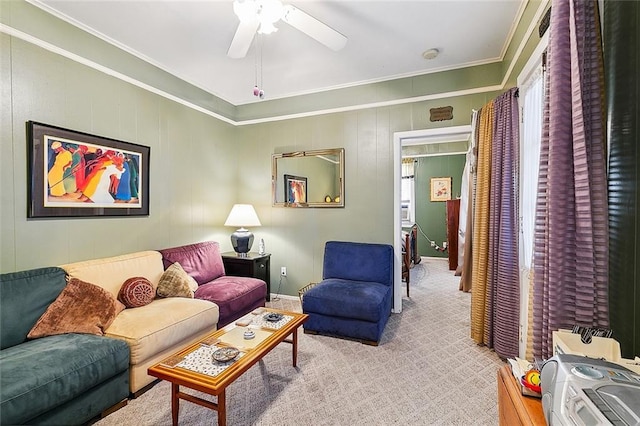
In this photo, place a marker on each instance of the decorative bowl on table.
(273, 317)
(225, 354)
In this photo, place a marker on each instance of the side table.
(514, 408)
(252, 265)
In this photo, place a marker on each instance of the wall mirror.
(308, 178)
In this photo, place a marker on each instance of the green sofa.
(56, 380)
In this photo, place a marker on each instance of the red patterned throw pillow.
(136, 292)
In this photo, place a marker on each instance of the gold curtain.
(408, 165)
(529, 346)
(479, 273)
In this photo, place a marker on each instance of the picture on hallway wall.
(76, 174)
(441, 188)
(295, 189)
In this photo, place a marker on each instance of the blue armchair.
(353, 300)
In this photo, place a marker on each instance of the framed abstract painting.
(76, 174)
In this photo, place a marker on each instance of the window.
(531, 84)
(408, 191)
(531, 99)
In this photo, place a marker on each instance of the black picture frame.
(295, 189)
(77, 174)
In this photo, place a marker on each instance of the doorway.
(413, 138)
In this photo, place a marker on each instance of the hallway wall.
(431, 215)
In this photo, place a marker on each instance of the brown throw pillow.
(80, 308)
(175, 282)
(136, 292)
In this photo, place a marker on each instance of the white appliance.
(582, 391)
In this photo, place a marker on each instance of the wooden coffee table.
(194, 368)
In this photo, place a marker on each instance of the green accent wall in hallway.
(431, 216)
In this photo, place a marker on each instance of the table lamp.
(242, 215)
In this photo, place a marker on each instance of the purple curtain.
(503, 293)
(495, 289)
(571, 237)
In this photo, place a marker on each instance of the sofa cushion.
(110, 272)
(365, 301)
(175, 282)
(162, 324)
(25, 297)
(358, 262)
(80, 308)
(233, 294)
(40, 375)
(351, 328)
(136, 292)
(201, 260)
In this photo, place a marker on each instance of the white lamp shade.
(242, 215)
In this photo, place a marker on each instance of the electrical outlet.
(283, 271)
(433, 243)
(444, 244)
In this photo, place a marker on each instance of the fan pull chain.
(257, 91)
(255, 61)
(261, 93)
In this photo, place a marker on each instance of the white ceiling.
(386, 40)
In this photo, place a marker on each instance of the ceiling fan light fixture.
(267, 27)
(261, 15)
(245, 10)
(265, 12)
(270, 10)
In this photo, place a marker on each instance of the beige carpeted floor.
(426, 371)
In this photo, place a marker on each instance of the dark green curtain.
(622, 62)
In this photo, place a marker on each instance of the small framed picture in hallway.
(440, 188)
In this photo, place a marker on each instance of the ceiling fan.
(261, 15)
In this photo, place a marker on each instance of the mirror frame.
(313, 153)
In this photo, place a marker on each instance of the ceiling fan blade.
(313, 28)
(243, 38)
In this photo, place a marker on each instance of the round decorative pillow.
(136, 292)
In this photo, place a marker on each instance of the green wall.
(431, 216)
(193, 170)
(202, 159)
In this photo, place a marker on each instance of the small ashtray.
(225, 354)
(273, 317)
(249, 334)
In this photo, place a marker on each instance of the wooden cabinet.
(514, 408)
(453, 214)
(252, 265)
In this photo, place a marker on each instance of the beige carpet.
(426, 371)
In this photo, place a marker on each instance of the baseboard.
(143, 389)
(114, 408)
(283, 296)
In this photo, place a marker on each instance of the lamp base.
(242, 240)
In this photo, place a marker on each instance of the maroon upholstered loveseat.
(235, 296)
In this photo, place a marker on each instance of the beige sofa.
(153, 331)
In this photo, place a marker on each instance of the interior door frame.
(400, 139)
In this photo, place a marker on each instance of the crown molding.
(9, 30)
